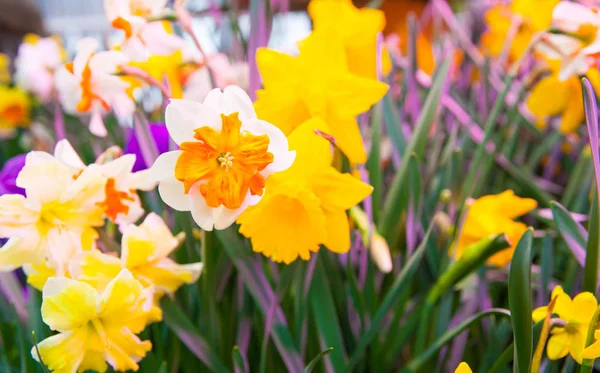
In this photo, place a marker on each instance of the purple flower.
(161, 138)
(9, 173)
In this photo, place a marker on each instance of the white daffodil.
(56, 218)
(142, 38)
(89, 85)
(225, 154)
(37, 60)
(575, 40)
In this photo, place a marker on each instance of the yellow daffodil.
(15, 107)
(463, 368)
(532, 17)
(144, 252)
(494, 214)
(57, 217)
(358, 29)
(593, 350)
(317, 83)
(163, 68)
(93, 328)
(576, 315)
(4, 69)
(306, 205)
(552, 96)
(225, 155)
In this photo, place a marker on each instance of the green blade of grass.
(313, 364)
(573, 233)
(519, 300)
(590, 271)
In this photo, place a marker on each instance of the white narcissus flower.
(89, 85)
(56, 219)
(121, 203)
(142, 38)
(225, 154)
(576, 41)
(37, 60)
(225, 73)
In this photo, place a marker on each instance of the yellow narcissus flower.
(93, 328)
(593, 350)
(551, 97)
(56, 219)
(532, 16)
(463, 368)
(358, 29)
(494, 214)
(15, 107)
(145, 251)
(164, 67)
(317, 83)
(576, 315)
(305, 205)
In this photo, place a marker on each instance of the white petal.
(232, 99)
(164, 166)
(159, 41)
(36, 157)
(65, 154)
(108, 62)
(173, 194)
(142, 180)
(119, 167)
(569, 16)
(201, 212)
(85, 49)
(225, 217)
(573, 66)
(184, 116)
(283, 158)
(97, 124)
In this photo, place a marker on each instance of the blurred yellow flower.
(164, 68)
(531, 17)
(15, 107)
(494, 214)
(305, 205)
(144, 252)
(593, 350)
(317, 83)
(4, 69)
(93, 328)
(551, 97)
(576, 314)
(358, 29)
(463, 368)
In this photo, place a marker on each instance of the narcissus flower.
(463, 368)
(120, 202)
(317, 83)
(225, 155)
(142, 38)
(552, 96)
(93, 328)
(56, 218)
(358, 29)
(144, 252)
(37, 60)
(576, 40)
(89, 85)
(15, 108)
(593, 350)
(197, 83)
(494, 214)
(5, 75)
(306, 205)
(529, 17)
(576, 314)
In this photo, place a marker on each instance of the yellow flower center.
(572, 328)
(224, 182)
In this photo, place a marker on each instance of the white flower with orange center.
(225, 154)
(142, 38)
(121, 203)
(575, 39)
(89, 85)
(35, 64)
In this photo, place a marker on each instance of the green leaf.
(325, 316)
(473, 257)
(590, 271)
(312, 365)
(400, 284)
(374, 161)
(519, 301)
(587, 365)
(573, 233)
(416, 363)
(177, 320)
(238, 360)
(392, 210)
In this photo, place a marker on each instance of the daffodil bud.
(380, 252)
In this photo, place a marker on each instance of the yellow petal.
(337, 238)
(322, 53)
(64, 352)
(94, 361)
(350, 95)
(558, 345)
(548, 97)
(167, 276)
(68, 304)
(539, 314)
(95, 268)
(18, 251)
(592, 351)
(38, 274)
(126, 349)
(339, 191)
(348, 139)
(282, 108)
(463, 368)
(16, 217)
(138, 249)
(122, 301)
(573, 114)
(583, 307)
(513, 206)
(275, 67)
(313, 152)
(578, 344)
